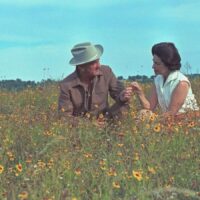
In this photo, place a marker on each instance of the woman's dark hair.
(169, 55)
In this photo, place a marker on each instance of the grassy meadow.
(44, 158)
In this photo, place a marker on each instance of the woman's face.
(159, 67)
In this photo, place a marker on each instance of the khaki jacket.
(76, 100)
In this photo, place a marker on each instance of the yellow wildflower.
(157, 128)
(10, 155)
(88, 155)
(103, 167)
(147, 126)
(133, 114)
(137, 175)
(112, 172)
(151, 170)
(63, 110)
(116, 184)
(152, 117)
(136, 157)
(119, 153)
(101, 116)
(1, 169)
(41, 164)
(88, 115)
(102, 164)
(50, 163)
(23, 195)
(120, 145)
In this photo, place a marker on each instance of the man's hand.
(125, 95)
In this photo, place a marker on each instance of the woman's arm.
(153, 98)
(146, 104)
(178, 97)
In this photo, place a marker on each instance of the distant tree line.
(18, 84)
(141, 78)
(144, 78)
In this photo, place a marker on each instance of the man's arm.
(117, 90)
(65, 106)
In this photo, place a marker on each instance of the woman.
(171, 89)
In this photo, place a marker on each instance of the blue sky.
(36, 36)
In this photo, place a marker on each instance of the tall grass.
(42, 157)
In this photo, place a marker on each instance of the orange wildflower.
(78, 172)
(191, 124)
(19, 167)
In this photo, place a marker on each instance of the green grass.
(91, 162)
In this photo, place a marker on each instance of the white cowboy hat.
(85, 52)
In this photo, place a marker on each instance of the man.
(86, 90)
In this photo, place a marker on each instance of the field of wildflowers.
(44, 158)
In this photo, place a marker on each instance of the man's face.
(92, 68)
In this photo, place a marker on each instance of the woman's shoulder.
(176, 77)
(182, 77)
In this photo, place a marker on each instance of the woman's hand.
(136, 88)
(140, 93)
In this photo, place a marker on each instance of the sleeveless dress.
(165, 91)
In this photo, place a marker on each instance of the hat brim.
(99, 48)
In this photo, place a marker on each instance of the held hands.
(125, 95)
